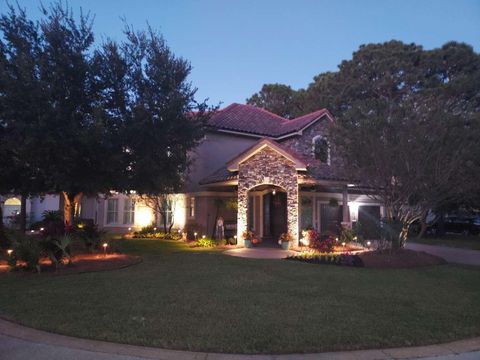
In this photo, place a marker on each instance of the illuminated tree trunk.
(23, 213)
(68, 208)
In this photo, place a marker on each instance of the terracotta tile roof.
(252, 120)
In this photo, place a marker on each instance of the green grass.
(182, 298)
(456, 241)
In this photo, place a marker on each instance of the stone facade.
(268, 167)
(303, 145)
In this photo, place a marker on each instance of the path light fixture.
(41, 229)
(129, 229)
(368, 244)
(10, 252)
(343, 244)
(154, 229)
(203, 236)
(195, 234)
(32, 231)
(105, 245)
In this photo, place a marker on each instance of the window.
(112, 211)
(129, 211)
(321, 149)
(191, 207)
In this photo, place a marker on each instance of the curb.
(14, 330)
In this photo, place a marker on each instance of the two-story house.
(279, 174)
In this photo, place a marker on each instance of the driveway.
(20, 343)
(452, 255)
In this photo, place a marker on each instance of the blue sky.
(236, 46)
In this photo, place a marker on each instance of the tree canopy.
(407, 124)
(78, 117)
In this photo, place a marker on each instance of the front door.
(274, 216)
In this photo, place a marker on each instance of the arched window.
(321, 149)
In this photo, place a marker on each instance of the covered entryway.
(267, 213)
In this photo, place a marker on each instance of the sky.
(237, 46)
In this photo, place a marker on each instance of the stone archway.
(268, 167)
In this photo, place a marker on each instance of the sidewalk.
(18, 342)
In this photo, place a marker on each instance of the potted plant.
(285, 240)
(248, 237)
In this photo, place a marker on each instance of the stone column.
(345, 211)
(242, 210)
(292, 212)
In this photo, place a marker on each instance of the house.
(256, 170)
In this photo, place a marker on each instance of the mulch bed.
(401, 258)
(82, 264)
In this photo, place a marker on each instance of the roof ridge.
(265, 111)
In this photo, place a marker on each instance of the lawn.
(182, 298)
(457, 241)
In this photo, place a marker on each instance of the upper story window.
(321, 149)
(129, 211)
(112, 211)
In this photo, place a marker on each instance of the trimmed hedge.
(334, 259)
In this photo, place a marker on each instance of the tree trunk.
(4, 243)
(68, 208)
(423, 227)
(23, 213)
(164, 218)
(77, 202)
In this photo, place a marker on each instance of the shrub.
(89, 234)
(26, 248)
(206, 243)
(321, 244)
(149, 232)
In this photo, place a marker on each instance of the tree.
(75, 132)
(277, 98)
(401, 132)
(157, 120)
(22, 107)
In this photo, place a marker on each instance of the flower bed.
(329, 259)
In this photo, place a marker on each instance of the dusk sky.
(236, 46)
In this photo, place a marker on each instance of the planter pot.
(285, 245)
(248, 243)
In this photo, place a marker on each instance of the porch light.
(10, 252)
(274, 192)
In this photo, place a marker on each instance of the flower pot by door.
(285, 245)
(248, 243)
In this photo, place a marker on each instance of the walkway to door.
(260, 253)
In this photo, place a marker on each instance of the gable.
(299, 164)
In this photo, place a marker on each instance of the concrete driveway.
(452, 255)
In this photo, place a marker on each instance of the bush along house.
(256, 171)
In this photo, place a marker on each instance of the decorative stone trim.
(268, 167)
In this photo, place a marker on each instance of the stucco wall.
(213, 153)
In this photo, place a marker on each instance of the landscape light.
(10, 252)
(41, 229)
(105, 245)
(129, 229)
(343, 244)
(203, 236)
(154, 229)
(368, 244)
(32, 231)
